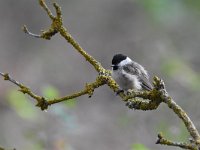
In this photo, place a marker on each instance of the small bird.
(129, 74)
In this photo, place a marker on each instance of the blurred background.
(162, 35)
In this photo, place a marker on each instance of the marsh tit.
(129, 74)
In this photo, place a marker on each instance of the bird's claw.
(119, 91)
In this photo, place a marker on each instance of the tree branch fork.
(139, 100)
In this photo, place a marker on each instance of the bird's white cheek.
(114, 75)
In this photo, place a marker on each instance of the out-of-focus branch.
(140, 100)
(184, 117)
(163, 141)
(1, 148)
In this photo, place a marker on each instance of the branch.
(25, 90)
(184, 117)
(89, 89)
(57, 26)
(44, 103)
(139, 100)
(161, 140)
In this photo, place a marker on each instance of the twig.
(57, 26)
(25, 90)
(89, 89)
(163, 141)
(7, 77)
(45, 7)
(44, 103)
(25, 29)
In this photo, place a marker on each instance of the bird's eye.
(115, 67)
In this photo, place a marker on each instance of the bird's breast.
(126, 81)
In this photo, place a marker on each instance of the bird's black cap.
(118, 58)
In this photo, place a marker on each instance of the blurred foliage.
(61, 144)
(38, 142)
(139, 146)
(60, 110)
(23, 107)
(51, 92)
(70, 103)
(36, 146)
(124, 120)
(176, 132)
(183, 135)
(66, 115)
(163, 10)
(193, 5)
(176, 68)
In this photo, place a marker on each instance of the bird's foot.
(119, 91)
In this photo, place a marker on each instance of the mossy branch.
(163, 141)
(142, 100)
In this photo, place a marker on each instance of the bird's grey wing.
(145, 83)
(141, 73)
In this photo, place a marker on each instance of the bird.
(129, 75)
